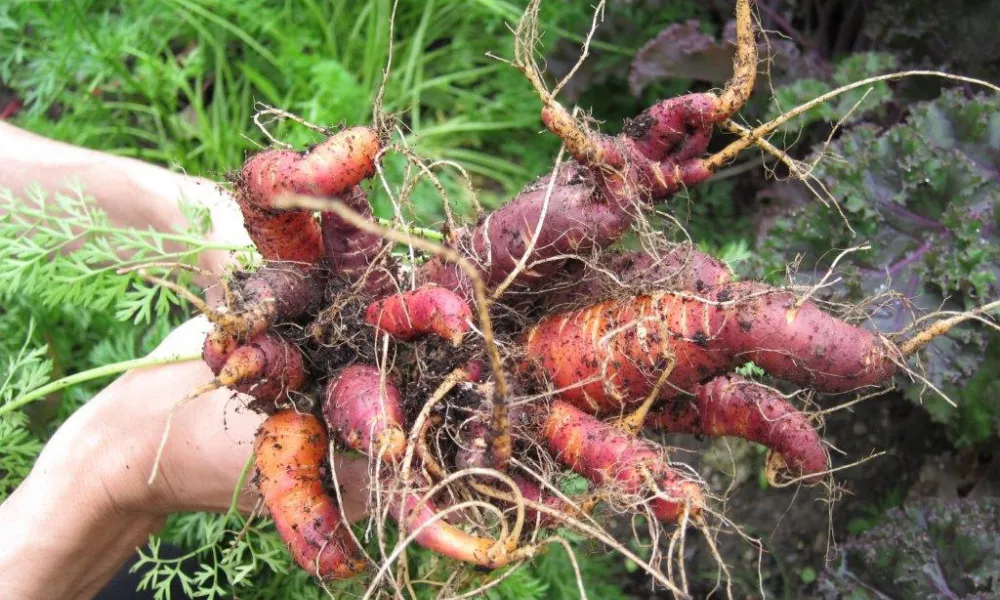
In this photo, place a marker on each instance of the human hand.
(209, 443)
(86, 505)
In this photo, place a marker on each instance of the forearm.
(59, 543)
(86, 506)
(132, 193)
(68, 527)
(122, 186)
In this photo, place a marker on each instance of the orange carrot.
(290, 454)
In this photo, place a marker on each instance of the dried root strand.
(925, 336)
(741, 86)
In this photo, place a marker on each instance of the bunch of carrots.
(592, 368)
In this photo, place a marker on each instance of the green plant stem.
(95, 373)
(411, 229)
(235, 503)
(191, 240)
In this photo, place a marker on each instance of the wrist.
(65, 533)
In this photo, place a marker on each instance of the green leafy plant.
(37, 232)
(27, 368)
(930, 549)
(926, 196)
(935, 35)
(874, 513)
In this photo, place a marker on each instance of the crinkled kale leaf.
(933, 549)
(925, 194)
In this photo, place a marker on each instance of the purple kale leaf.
(930, 549)
(925, 194)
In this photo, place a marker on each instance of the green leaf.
(36, 231)
(925, 195)
(929, 549)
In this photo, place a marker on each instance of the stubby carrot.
(427, 309)
(265, 367)
(364, 415)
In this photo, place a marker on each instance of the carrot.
(351, 252)
(218, 346)
(473, 446)
(585, 211)
(576, 220)
(680, 268)
(363, 415)
(265, 367)
(272, 294)
(660, 149)
(608, 356)
(290, 455)
(292, 236)
(611, 355)
(803, 345)
(328, 169)
(622, 168)
(678, 127)
(733, 406)
(683, 266)
(605, 454)
(294, 292)
(532, 492)
(476, 369)
(435, 534)
(427, 309)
